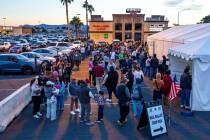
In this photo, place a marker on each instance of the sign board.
(153, 29)
(101, 26)
(156, 120)
(133, 10)
(106, 36)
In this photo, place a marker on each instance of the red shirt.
(167, 84)
(99, 71)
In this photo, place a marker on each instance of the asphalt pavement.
(68, 127)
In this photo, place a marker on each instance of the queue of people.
(121, 70)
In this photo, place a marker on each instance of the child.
(101, 102)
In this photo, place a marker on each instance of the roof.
(197, 49)
(183, 34)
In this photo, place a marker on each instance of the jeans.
(60, 102)
(153, 72)
(85, 112)
(51, 108)
(137, 108)
(100, 112)
(185, 97)
(147, 71)
(99, 81)
(110, 90)
(124, 111)
(74, 101)
(36, 104)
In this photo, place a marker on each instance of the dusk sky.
(19, 12)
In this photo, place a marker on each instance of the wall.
(101, 31)
(12, 106)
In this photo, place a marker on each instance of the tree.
(206, 19)
(76, 21)
(66, 2)
(89, 8)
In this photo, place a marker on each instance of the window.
(118, 36)
(138, 26)
(128, 35)
(137, 37)
(128, 26)
(118, 26)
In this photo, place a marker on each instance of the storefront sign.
(156, 120)
(101, 26)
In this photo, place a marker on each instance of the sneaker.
(182, 106)
(187, 107)
(119, 123)
(72, 113)
(125, 121)
(36, 116)
(89, 123)
(77, 110)
(39, 114)
(98, 121)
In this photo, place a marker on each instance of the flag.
(175, 88)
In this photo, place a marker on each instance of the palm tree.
(89, 8)
(66, 2)
(76, 21)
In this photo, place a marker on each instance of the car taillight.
(18, 51)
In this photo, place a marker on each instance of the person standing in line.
(73, 90)
(99, 73)
(137, 98)
(138, 74)
(90, 68)
(101, 102)
(123, 96)
(154, 63)
(157, 87)
(147, 70)
(60, 97)
(130, 78)
(50, 93)
(111, 64)
(186, 86)
(110, 81)
(36, 98)
(67, 74)
(167, 80)
(84, 97)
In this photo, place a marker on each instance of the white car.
(76, 44)
(5, 46)
(46, 52)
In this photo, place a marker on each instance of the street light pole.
(179, 14)
(4, 21)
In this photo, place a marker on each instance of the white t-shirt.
(112, 55)
(138, 74)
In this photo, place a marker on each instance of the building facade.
(12, 30)
(128, 26)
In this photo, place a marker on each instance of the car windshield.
(21, 57)
(76, 42)
(62, 44)
(52, 44)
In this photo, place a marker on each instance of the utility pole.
(179, 14)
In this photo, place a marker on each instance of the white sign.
(156, 120)
(153, 29)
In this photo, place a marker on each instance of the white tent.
(160, 43)
(196, 54)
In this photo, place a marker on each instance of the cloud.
(173, 3)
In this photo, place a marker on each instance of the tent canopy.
(199, 49)
(183, 34)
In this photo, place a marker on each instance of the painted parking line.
(7, 89)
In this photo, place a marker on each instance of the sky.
(19, 12)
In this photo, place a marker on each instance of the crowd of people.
(120, 69)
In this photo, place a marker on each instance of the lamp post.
(179, 12)
(4, 19)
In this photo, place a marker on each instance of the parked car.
(20, 49)
(45, 52)
(5, 46)
(15, 63)
(42, 60)
(77, 44)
